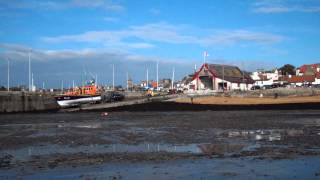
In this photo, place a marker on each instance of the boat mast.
(147, 84)
(61, 86)
(96, 83)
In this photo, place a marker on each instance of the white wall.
(262, 83)
(316, 81)
(230, 86)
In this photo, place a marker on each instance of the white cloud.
(105, 4)
(236, 36)
(57, 5)
(140, 45)
(168, 33)
(285, 6)
(14, 47)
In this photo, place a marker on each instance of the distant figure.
(191, 100)
(275, 95)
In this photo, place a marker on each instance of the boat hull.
(69, 101)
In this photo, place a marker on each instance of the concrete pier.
(11, 102)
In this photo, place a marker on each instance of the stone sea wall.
(11, 102)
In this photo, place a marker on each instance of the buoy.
(104, 114)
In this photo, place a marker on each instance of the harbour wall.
(11, 102)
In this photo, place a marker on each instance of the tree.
(288, 69)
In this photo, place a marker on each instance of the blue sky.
(71, 38)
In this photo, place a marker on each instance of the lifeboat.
(79, 95)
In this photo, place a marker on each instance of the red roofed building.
(220, 77)
(308, 70)
(301, 79)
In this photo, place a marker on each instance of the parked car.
(172, 91)
(267, 87)
(275, 85)
(316, 86)
(255, 87)
(112, 96)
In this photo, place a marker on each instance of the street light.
(30, 70)
(8, 75)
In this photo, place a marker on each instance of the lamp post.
(30, 88)
(113, 77)
(172, 82)
(8, 86)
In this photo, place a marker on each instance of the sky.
(74, 40)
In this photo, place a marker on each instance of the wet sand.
(165, 144)
(249, 101)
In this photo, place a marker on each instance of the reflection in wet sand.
(268, 135)
(220, 149)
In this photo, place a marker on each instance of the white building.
(265, 78)
(220, 77)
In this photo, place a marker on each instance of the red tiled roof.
(301, 79)
(309, 67)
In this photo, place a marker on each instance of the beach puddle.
(205, 149)
(264, 135)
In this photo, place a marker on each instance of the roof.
(187, 79)
(309, 69)
(263, 77)
(301, 79)
(227, 72)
